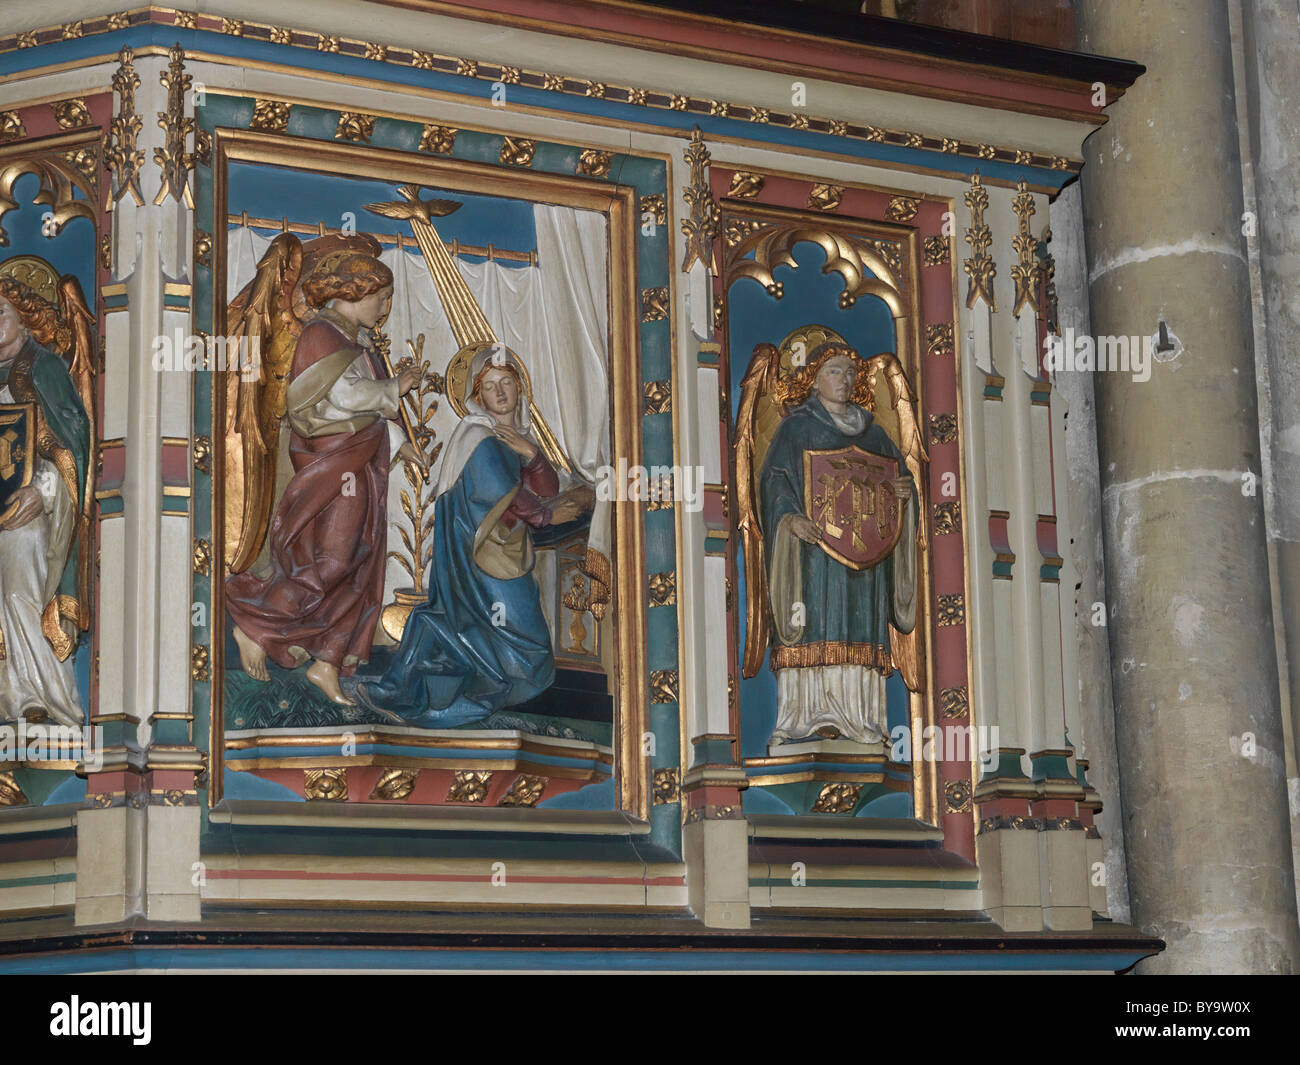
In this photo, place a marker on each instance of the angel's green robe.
(831, 652)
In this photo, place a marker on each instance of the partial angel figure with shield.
(46, 491)
(481, 640)
(829, 515)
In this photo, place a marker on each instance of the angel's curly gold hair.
(347, 276)
(39, 315)
(795, 388)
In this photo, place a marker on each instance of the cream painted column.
(1007, 855)
(1063, 846)
(998, 447)
(715, 838)
(119, 874)
(1079, 493)
(1199, 729)
(1018, 335)
(977, 367)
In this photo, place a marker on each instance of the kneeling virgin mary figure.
(481, 642)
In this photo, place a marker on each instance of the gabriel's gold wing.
(260, 319)
(755, 424)
(906, 650)
(76, 317)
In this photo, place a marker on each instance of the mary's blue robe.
(481, 642)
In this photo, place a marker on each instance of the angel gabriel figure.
(311, 310)
(828, 520)
(46, 411)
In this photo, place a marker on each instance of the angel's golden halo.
(459, 380)
(800, 344)
(331, 262)
(34, 272)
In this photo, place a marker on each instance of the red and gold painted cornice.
(926, 82)
(893, 68)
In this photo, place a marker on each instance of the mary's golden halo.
(459, 380)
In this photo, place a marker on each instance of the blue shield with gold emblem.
(17, 452)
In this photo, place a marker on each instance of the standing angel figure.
(328, 540)
(45, 549)
(481, 642)
(830, 543)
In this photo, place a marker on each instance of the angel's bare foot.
(251, 656)
(326, 677)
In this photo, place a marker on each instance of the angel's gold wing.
(755, 423)
(260, 319)
(907, 650)
(902, 422)
(76, 317)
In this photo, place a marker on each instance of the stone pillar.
(1271, 73)
(1191, 632)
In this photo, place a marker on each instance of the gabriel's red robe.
(328, 539)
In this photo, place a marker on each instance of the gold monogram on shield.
(11, 453)
(847, 499)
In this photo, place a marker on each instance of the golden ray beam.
(468, 323)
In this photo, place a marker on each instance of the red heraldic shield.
(848, 496)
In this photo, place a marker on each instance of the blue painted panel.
(71, 252)
(268, 191)
(761, 801)
(248, 786)
(71, 790)
(894, 804)
(593, 797)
